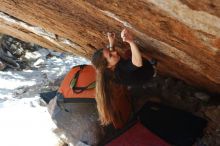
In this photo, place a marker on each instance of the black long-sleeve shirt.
(128, 74)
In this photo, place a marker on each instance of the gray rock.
(2, 65)
(78, 121)
(202, 96)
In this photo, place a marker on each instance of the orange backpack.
(78, 85)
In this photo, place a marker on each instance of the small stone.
(42, 102)
(38, 63)
(202, 96)
(2, 65)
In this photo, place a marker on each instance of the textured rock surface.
(184, 35)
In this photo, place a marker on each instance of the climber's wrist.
(111, 47)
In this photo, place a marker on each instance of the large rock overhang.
(183, 35)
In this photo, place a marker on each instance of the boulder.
(183, 35)
(77, 121)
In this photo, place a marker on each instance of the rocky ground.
(167, 90)
(23, 113)
(176, 93)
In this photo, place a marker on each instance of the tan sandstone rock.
(183, 35)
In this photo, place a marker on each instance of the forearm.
(136, 55)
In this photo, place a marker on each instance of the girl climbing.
(114, 74)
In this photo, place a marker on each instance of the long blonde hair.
(106, 91)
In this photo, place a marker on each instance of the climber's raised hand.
(127, 36)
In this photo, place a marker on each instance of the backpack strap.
(73, 83)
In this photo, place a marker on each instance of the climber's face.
(112, 57)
